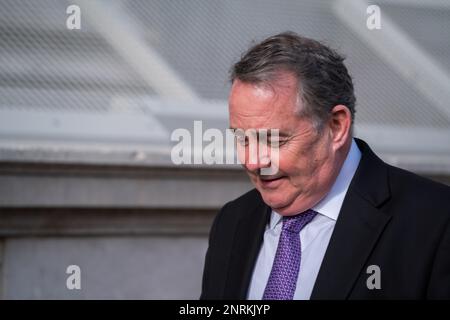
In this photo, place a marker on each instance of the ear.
(340, 125)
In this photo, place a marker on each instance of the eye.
(274, 141)
(242, 140)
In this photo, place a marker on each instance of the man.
(335, 221)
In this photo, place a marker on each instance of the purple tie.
(286, 265)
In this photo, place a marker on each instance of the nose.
(255, 162)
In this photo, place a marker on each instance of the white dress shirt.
(314, 237)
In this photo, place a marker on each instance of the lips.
(270, 182)
(270, 178)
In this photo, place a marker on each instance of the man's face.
(306, 169)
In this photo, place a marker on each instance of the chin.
(285, 206)
(273, 200)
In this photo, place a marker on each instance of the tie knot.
(296, 223)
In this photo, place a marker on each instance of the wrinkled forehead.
(264, 105)
(278, 82)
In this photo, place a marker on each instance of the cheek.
(300, 166)
(319, 164)
(289, 163)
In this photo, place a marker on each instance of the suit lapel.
(357, 230)
(247, 242)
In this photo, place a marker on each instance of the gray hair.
(323, 79)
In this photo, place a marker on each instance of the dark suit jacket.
(390, 218)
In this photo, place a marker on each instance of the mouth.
(270, 182)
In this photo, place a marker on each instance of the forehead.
(267, 105)
(281, 83)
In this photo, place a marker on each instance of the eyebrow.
(280, 133)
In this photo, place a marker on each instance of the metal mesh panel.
(43, 65)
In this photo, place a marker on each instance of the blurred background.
(86, 116)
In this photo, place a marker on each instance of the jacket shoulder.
(246, 201)
(235, 209)
(407, 181)
(419, 194)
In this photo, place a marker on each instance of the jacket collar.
(357, 229)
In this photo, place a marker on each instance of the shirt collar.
(331, 204)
